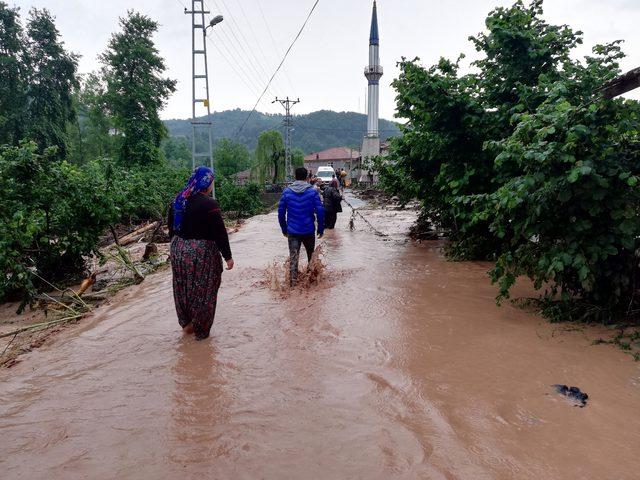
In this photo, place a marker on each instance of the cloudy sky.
(325, 67)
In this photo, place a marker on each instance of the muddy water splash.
(311, 274)
(398, 365)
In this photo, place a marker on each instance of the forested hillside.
(314, 131)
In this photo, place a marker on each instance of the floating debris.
(574, 394)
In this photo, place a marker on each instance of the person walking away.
(343, 177)
(315, 183)
(199, 240)
(299, 209)
(332, 204)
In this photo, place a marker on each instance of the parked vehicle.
(325, 174)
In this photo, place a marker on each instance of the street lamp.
(214, 21)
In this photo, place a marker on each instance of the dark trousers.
(330, 219)
(295, 243)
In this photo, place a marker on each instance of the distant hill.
(313, 132)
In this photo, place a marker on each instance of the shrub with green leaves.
(524, 162)
(572, 215)
(51, 215)
(239, 201)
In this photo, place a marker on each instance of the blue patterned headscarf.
(200, 180)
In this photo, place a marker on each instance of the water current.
(398, 365)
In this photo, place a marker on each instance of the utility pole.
(200, 75)
(288, 124)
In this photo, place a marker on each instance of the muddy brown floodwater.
(398, 366)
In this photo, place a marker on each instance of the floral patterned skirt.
(197, 273)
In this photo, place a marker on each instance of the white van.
(326, 174)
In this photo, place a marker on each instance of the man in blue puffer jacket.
(299, 207)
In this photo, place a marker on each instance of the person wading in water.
(198, 241)
(299, 207)
(332, 204)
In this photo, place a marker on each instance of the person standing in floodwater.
(299, 209)
(199, 240)
(332, 204)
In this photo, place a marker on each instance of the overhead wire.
(275, 45)
(240, 53)
(342, 129)
(247, 53)
(242, 75)
(258, 42)
(244, 38)
(284, 58)
(249, 81)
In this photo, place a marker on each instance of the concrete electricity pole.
(288, 124)
(200, 80)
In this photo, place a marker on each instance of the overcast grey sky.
(325, 68)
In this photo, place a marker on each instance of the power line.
(279, 66)
(274, 43)
(253, 34)
(254, 88)
(234, 43)
(246, 80)
(247, 53)
(342, 129)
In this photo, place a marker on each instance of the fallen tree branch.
(137, 234)
(116, 241)
(39, 326)
(90, 297)
(125, 259)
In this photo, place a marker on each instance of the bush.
(395, 181)
(239, 200)
(51, 215)
(143, 193)
(572, 215)
(524, 162)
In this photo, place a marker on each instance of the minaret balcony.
(374, 70)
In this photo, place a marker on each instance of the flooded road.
(399, 365)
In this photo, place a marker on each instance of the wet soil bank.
(398, 365)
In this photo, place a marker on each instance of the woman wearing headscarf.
(199, 240)
(332, 204)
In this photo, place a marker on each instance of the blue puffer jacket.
(299, 206)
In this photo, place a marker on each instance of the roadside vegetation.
(523, 162)
(82, 153)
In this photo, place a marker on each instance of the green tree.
(524, 162)
(136, 90)
(519, 49)
(231, 157)
(177, 152)
(441, 150)
(91, 134)
(51, 80)
(572, 213)
(13, 85)
(446, 144)
(269, 157)
(239, 201)
(51, 216)
(297, 157)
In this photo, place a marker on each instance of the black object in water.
(573, 393)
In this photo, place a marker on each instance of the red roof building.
(339, 157)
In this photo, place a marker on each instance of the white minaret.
(371, 143)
